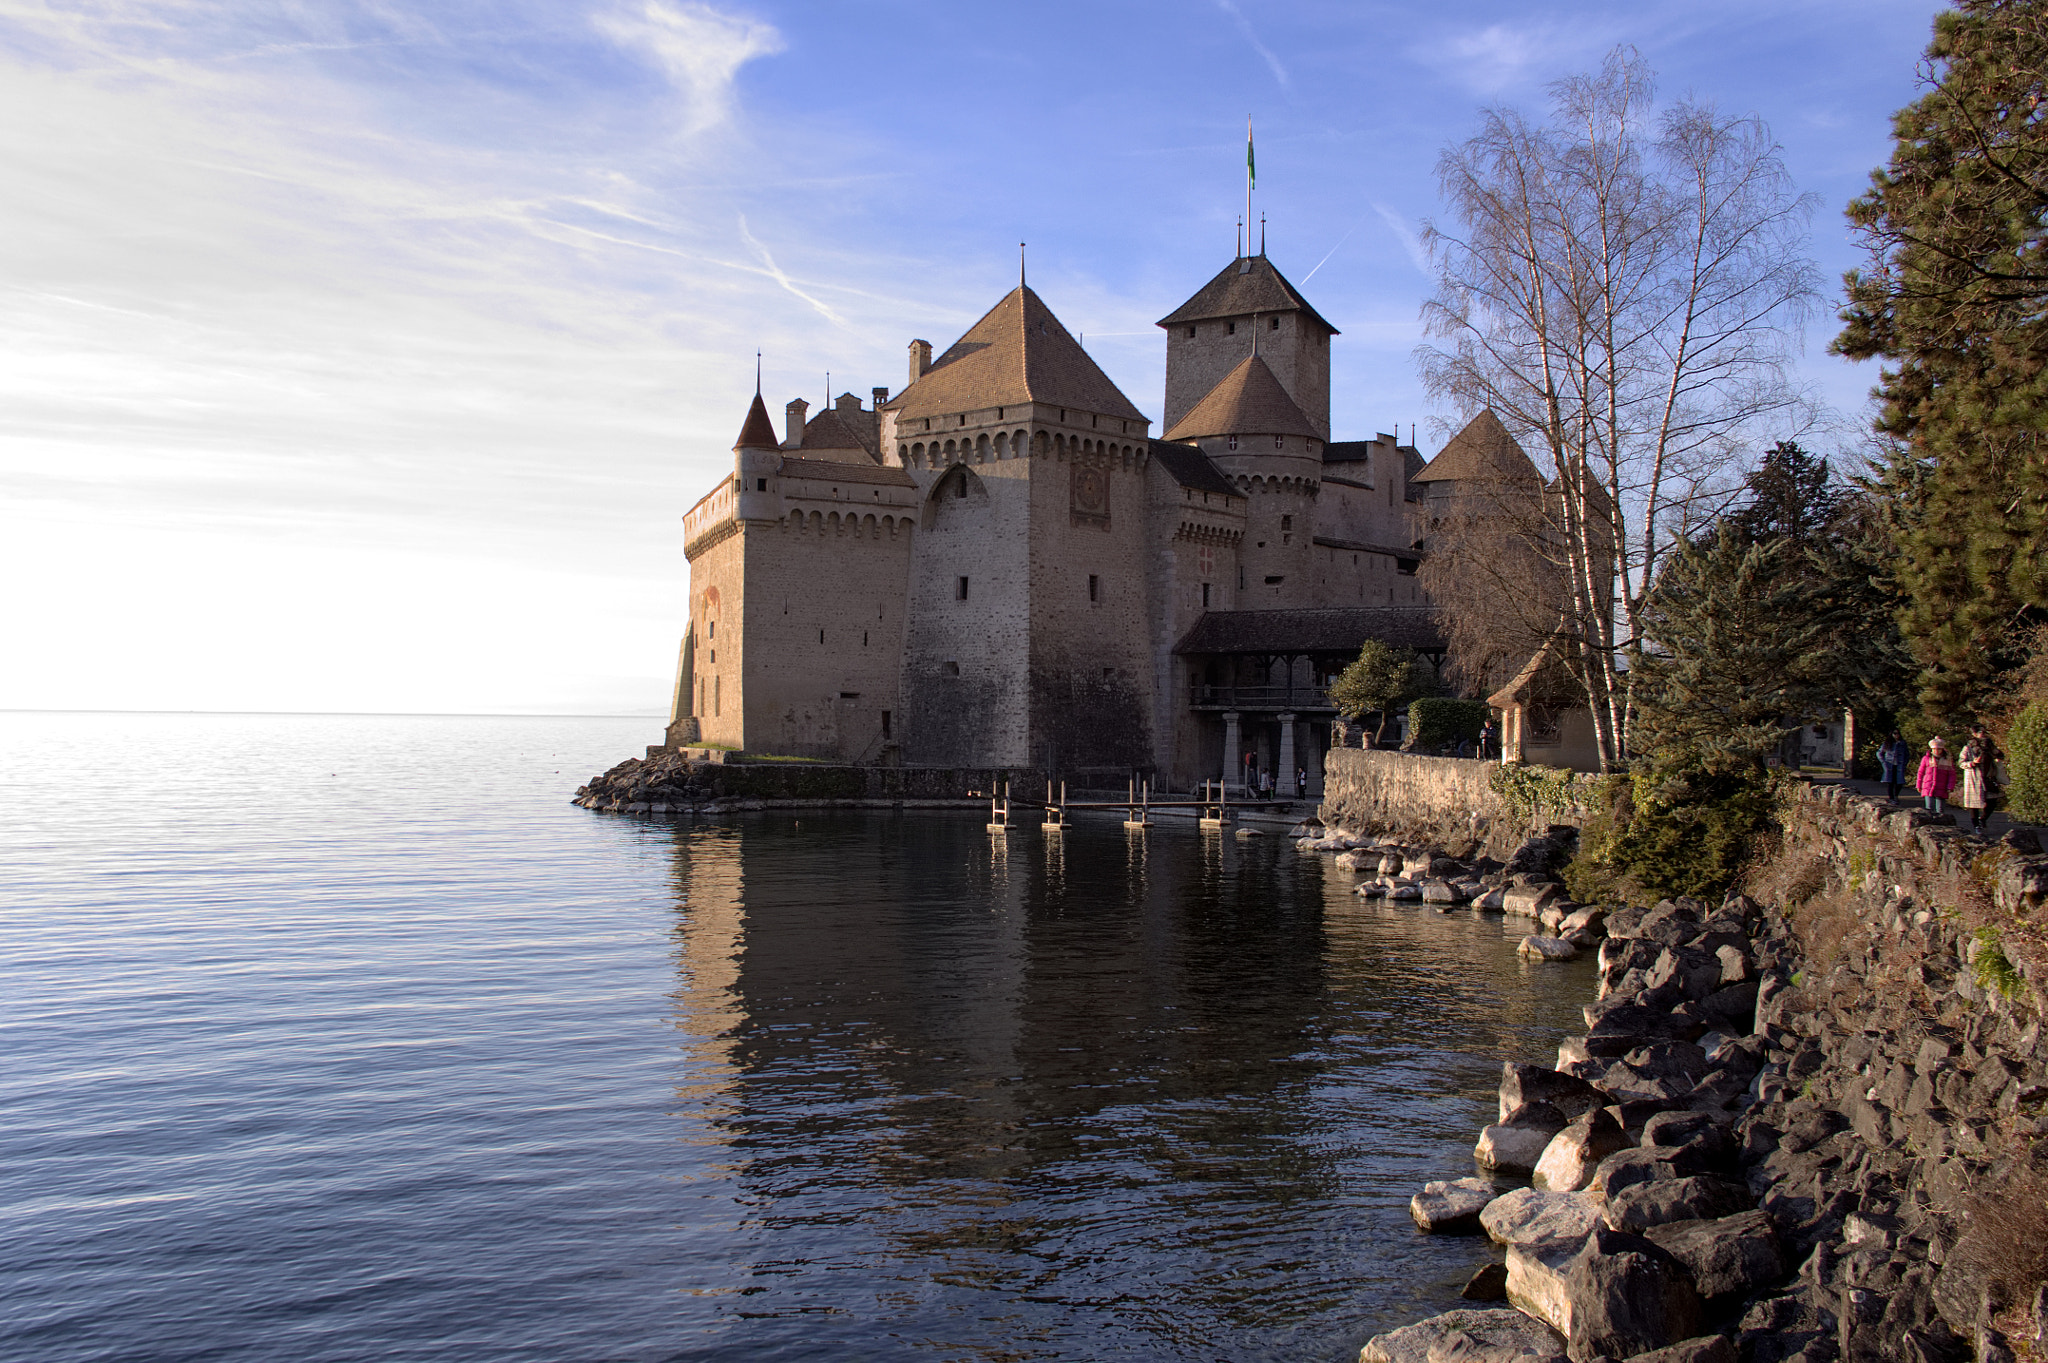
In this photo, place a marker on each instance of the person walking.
(1936, 777)
(1488, 736)
(1891, 757)
(1975, 794)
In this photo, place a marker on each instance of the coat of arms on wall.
(1091, 496)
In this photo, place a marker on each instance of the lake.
(348, 1037)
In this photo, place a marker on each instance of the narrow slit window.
(960, 590)
(1094, 587)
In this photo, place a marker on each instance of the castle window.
(863, 638)
(960, 590)
(1287, 522)
(1240, 577)
(1191, 333)
(711, 629)
(885, 723)
(1230, 328)
(1205, 596)
(760, 485)
(1094, 587)
(714, 695)
(821, 636)
(1279, 442)
(1276, 324)
(949, 669)
(1230, 442)
(960, 487)
(849, 695)
(1275, 579)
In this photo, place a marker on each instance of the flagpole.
(1251, 176)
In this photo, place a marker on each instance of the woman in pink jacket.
(1937, 775)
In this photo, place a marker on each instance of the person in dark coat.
(1892, 755)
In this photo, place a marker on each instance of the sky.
(364, 355)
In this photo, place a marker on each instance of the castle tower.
(1028, 588)
(1211, 334)
(1258, 437)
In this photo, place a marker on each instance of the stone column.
(1283, 783)
(1233, 760)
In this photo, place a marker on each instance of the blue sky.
(365, 356)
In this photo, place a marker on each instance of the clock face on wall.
(1091, 495)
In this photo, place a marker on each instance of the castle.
(1003, 566)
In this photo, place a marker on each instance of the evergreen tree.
(1954, 302)
(1791, 495)
(1739, 653)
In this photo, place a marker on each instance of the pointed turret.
(1483, 451)
(1249, 401)
(1017, 353)
(758, 433)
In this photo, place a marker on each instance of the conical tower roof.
(1249, 401)
(1482, 451)
(759, 432)
(1247, 285)
(1017, 353)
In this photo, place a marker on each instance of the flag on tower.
(1251, 169)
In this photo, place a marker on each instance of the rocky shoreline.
(1746, 1155)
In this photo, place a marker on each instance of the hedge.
(1435, 721)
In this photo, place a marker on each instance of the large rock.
(1529, 1215)
(1548, 949)
(1529, 901)
(1661, 1201)
(1734, 1254)
(1574, 1153)
(1628, 1297)
(1696, 1130)
(1451, 1207)
(1645, 1164)
(1482, 1335)
(1686, 971)
(1521, 1084)
(1514, 1149)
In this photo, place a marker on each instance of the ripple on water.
(344, 1037)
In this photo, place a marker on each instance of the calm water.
(336, 1038)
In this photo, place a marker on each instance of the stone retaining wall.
(1810, 1125)
(1449, 801)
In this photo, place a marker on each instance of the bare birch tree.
(1623, 290)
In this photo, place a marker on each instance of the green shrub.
(1689, 830)
(2026, 765)
(1995, 970)
(1434, 721)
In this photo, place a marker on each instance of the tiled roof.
(1245, 286)
(1248, 401)
(759, 432)
(1362, 547)
(835, 471)
(1341, 629)
(1483, 450)
(1189, 467)
(1015, 354)
(828, 430)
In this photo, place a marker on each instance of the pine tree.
(1739, 653)
(1956, 302)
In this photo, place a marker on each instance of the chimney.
(796, 411)
(846, 402)
(920, 359)
(881, 396)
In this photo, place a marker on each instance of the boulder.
(1672, 922)
(1546, 1115)
(1662, 1201)
(1471, 1335)
(1681, 1059)
(1542, 1232)
(1530, 1215)
(1512, 1149)
(1698, 1130)
(1645, 1164)
(1528, 901)
(1451, 1207)
(1574, 1153)
(1705, 1349)
(1734, 970)
(1520, 1083)
(1492, 901)
(1729, 1255)
(1685, 971)
(1404, 892)
(1587, 917)
(1548, 949)
(1440, 892)
(1355, 861)
(1628, 1296)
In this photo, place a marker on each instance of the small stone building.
(1003, 565)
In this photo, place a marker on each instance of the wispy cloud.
(1244, 26)
(1410, 242)
(699, 48)
(1502, 56)
(775, 273)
